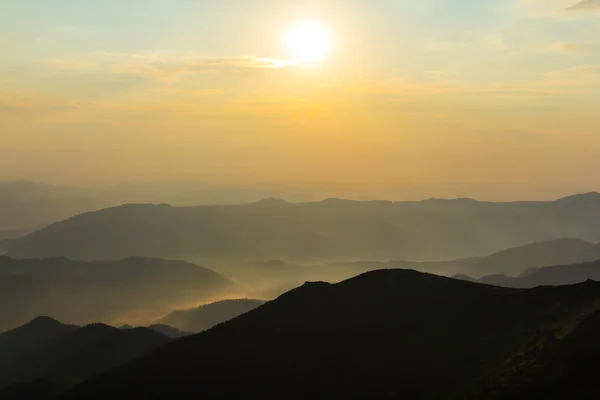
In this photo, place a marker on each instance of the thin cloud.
(585, 5)
(565, 47)
(165, 66)
(576, 71)
(172, 69)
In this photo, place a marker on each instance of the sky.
(502, 92)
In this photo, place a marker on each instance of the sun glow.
(309, 42)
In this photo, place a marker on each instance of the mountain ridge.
(131, 290)
(373, 335)
(66, 354)
(330, 229)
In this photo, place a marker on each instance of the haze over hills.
(61, 355)
(512, 262)
(132, 290)
(299, 199)
(384, 334)
(332, 229)
(26, 205)
(205, 317)
(196, 193)
(545, 276)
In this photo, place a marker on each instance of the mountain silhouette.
(383, 334)
(513, 261)
(49, 356)
(332, 229)
(546, 276)
(516, 260)
(132, 290)
(205, 317)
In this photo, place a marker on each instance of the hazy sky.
(495, 91)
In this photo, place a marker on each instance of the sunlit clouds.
(277, 92)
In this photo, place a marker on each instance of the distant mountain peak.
(582, 197)
(43, 321)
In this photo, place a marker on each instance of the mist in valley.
(299, 199)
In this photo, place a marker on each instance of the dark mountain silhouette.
(340, 229)
(37, 332)
(546, 276)
(205, 317)
(384, 334)
(50, 356)
(24, 205)
(133, 290)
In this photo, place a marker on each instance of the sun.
(309, 42)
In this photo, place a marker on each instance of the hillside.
(132, 290)
(205, 317)
(426, 230)
(47, 350)
(384, 334)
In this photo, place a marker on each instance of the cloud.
(577, 71)
(585, 5)
(565, 47)
(169, 67)
(162, 66)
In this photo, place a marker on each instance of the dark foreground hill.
(205, 317)
(332, 229)
(384, 334)
(132, 290)
(45, 356)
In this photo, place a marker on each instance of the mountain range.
(54, 355)
(332, 229)
(383, 334)
(27, 205)
(132, 290)
(510, 262)
(544, 276)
